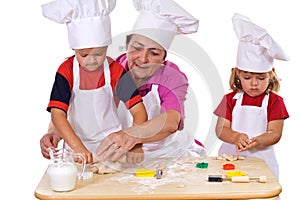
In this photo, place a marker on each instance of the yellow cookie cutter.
(143, 172)
(235, 173)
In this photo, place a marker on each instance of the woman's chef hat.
(161, 20)
(257, 49)
(87, 21)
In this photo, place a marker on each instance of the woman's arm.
(157, 128)
(49, 140)
(152, 130)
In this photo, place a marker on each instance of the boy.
(82, 102)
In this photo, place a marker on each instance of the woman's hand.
(49, 140)
(115, 145)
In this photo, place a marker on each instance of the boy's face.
(91, 58)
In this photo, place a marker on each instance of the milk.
(62, 176)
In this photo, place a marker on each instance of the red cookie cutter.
(228, 166)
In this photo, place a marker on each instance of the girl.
(250, 118)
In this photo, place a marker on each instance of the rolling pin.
(237, 179)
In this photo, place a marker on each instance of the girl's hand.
(242, 142)
(253, 143)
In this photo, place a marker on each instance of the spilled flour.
(176, 172)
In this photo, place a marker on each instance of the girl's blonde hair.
(235, 83)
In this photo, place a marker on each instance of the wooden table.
(181, 180)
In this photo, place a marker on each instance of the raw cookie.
(229, 157)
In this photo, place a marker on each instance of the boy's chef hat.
(161, 20)
(87, 21)
(257, 49)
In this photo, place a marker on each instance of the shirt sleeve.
(276, 108)
(225, 107)
(62, 86)
(124, 86)
(127, 92)
(173, 85)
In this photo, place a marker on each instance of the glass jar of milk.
(62, 170)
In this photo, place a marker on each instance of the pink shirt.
(172, 86)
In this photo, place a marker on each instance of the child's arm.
(226, 134)
(272, 136)
(139, 113)
(59, 119)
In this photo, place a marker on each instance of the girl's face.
(145, 57)
(91, 58)
(254, 84)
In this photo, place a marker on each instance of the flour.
(177, 172)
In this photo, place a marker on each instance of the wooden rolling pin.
(246, 179)
(237, 179)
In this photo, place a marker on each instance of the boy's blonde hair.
(235, 83)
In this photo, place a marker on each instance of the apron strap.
(76, 76)
(265, 101)
(106, 72)
(239, 98)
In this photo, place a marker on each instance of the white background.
(32, 48)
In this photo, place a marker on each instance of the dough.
(106, 167)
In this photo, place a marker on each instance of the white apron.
(257, 121)
(93, 113)
(175, 145)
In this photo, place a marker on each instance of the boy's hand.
(135, 155)
(85, 153)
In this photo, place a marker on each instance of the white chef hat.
(257, 49)
(161, 20)
(87, 21)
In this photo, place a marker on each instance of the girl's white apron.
(175, 145)
(257, 122)
(93, 113)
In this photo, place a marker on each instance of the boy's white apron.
(175, 145)
(93, 113)
(257, 122)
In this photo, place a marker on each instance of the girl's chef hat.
(257, 49)
(161, 20)
(87, 21)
